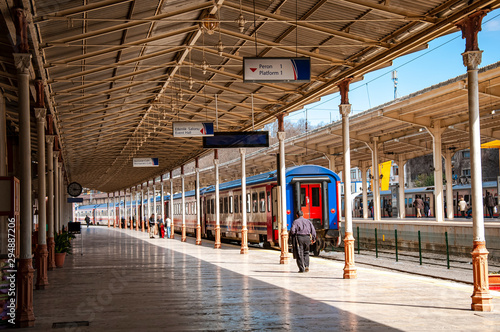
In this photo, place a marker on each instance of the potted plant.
(62, 247)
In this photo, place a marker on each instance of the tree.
(424, 180)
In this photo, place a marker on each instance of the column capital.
(216, 162)
(345, 109)
(41, 114)
(375, 139)
(470, 26)
(281, 135)
(243, 151)
(472, 58)
(22, 62)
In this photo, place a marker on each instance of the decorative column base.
(114, 223)
(25, 316)
(172, 231)
(51, 244)
(198, 235)
(131, 224)
(217, 237)
(42, 280)
(481, 297)
(142, 226)
(244, 241)
(284, 257)
(109, 223)
(350, 271)
(183, 237)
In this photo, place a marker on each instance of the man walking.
(302, 233)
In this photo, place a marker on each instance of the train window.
(255, 204)
(262, 201)
(302, 196)
(268, 201)
(231, 204)
(315, 196)
(241, 203)
(249, 206)
(207, 209)
(194, 208)
(410, 200)
(406, 202)
(212, 205)
(221, 206)
(236, 204)
(226, 207)
(187, 209)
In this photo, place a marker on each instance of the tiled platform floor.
(127, 282)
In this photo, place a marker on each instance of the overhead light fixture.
(220, 47)
(204, 66)
(493, 112)
(209, 23)
(241, 22)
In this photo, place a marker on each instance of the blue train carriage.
(314, 190)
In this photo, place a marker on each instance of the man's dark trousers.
(303, 242)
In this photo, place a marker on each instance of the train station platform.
(125, 281)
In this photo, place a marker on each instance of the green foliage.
(63, 242)
(424, 180)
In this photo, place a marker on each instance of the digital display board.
(238, 139)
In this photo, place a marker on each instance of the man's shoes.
(307, 269)
(300, 271)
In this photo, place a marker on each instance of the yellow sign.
(384, 170)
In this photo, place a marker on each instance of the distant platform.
(127, 282)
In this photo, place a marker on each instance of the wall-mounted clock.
(74, 189)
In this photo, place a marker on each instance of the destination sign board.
(250, 139)
(192, 129)
(145, 162)
(75, 199)
(274, 70)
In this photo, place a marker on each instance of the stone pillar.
(436, 132)
(401, 189)
(61, 195)
(183, 208)
(217, 205)
(154, 206)
(244, 230)
(114, 209)
(41, 255)
(125, 215)
(481, 297)
(365, 189)
(148, 215)
(450, 213)
(350, 271)
(137, 212)
(50, 202)
(284, 257)
(162, 202)
(172, 232)
(143, 221)
(25, 316)
(198, 204)
(57, 201)
(376, 181)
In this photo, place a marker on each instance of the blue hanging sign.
(192, 129)
(273, 70)
(145, 162)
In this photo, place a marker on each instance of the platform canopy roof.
(119, 72)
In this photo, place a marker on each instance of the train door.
(311, 202)
(94, 217)
(274, 215)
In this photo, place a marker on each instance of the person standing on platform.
(388, 208)
(152, 226)
(167, 222)
(370, 206)
(87, 220)
(419, 205)
(489, 201)
(462, 205)
(427, 207)
(303, 234)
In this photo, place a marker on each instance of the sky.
(441, 61)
